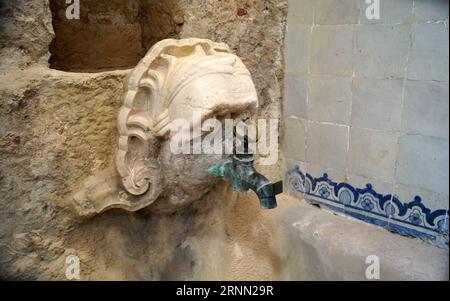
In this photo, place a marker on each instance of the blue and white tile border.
(411, 219)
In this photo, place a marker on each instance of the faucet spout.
(243, 176)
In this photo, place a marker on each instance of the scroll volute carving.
(174, 78)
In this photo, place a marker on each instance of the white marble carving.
(175, 78)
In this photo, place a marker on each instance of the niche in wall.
(110, 34)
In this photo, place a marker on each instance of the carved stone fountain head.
(174, 79)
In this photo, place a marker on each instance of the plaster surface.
(316, 244)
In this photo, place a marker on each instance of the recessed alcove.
(109, 34)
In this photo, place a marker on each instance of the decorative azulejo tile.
(386, 210)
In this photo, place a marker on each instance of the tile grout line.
(349, 126)
(405, 76)
(396, 132)
(308, 72)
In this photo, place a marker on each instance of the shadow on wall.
(109, 34)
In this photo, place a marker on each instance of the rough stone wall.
(57, 128)
(254, 30)
(107, 36)
(25, 32)
(116, 34)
